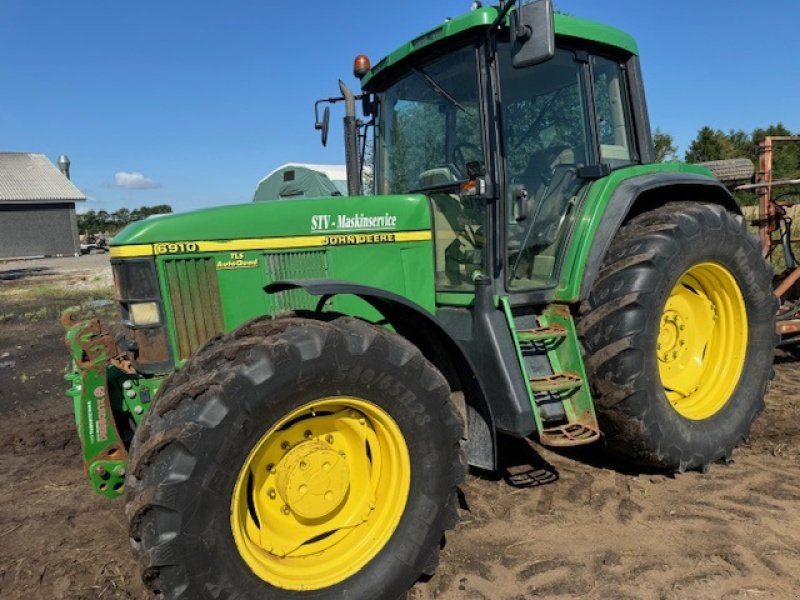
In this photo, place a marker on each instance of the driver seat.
(434, 177)
(541, 170)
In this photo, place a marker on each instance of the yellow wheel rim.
(702, 341)
(321, 493)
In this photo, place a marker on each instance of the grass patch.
(45, 292)
(37, 303)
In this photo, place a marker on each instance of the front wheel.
(679, 330)
(296, 460)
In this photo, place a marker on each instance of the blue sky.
(191, 103)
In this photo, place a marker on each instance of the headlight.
(135, 279)
(144, 314)
(145, 337)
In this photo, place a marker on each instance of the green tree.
(94, 222)
(786, 156)
(666, 150)
(740, 144)
(121, 217)
(710, 144)
(137, 214)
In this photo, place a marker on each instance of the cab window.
(613, 112)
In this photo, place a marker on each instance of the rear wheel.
(296, 459)
(679, 331)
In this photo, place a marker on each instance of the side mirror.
(533, 35)
(323, 125)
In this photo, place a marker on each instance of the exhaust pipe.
(351, 157)
(63, 165)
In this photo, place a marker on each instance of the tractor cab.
(505, 147)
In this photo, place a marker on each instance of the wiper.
(438, 89)
(439, 187)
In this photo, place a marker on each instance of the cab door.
(564, 123)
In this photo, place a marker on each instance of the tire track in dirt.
(605, 531)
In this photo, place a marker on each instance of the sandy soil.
(585, 526)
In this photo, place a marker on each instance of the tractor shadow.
(787, 355)
(522, 463)
(20, 274)
(595, 456)
(519, 465)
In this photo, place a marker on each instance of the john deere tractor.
(296, 388)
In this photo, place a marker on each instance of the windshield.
(430, 125)
(429, 129)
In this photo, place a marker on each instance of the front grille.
(302, 264)
(194, 295)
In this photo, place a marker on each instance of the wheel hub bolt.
(271, 493)
(284, 445)
(329, 438)
(271, 468)
(100, 471)
(308, 434)
(285, 509)
(119, 471)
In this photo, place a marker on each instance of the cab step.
(542, 334)
(550, 358)
(573, 434)
(557, 382)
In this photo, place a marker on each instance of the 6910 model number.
(176, 247)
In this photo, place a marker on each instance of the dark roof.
(33, 178)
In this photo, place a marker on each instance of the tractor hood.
(307, 217)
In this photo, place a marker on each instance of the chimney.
(63, 165)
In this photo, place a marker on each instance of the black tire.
(187, 454)
(620, 324)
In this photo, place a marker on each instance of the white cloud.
(134, 181)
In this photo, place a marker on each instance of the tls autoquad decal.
(276, 243)
(237, 260)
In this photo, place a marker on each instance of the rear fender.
(644, 193)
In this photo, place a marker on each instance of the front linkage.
(106, 391)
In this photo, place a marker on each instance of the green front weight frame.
(104, 391)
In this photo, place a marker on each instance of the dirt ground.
(587, 527)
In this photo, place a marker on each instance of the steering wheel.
(460, 152)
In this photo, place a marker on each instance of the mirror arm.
(505, 7)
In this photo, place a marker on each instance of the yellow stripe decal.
(276, 243)
(130, 251)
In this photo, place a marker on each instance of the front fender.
(426, 332)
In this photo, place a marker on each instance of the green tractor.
(297, 387)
